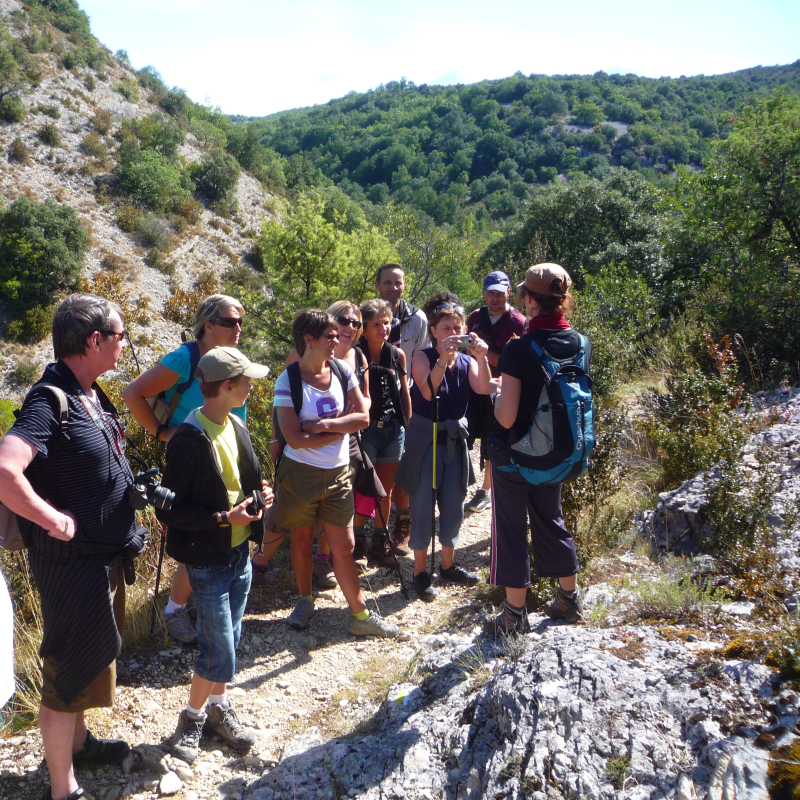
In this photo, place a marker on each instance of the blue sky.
(256, 57)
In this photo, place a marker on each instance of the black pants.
(514, 501)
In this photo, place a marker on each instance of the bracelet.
(443, 366)
(159, 430)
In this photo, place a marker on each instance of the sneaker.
(570, 609)
(457, 574)
(100, 752)
(186, 739)
(481, 499)
(322, 574)
(381, 551)
(300, 618)
(506, 623)
(360, 552)
(373, 625)
(180, 628)
(224, 723)
(76, 795)
(423, 588)
(401, 535)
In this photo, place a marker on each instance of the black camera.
(257, 503)
(146, 490)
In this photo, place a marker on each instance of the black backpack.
(296, 389)
(383, 371)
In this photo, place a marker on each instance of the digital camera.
(467, 340)
(146, 490)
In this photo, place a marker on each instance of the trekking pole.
(392, 546)
(152, 631)
(435, 411)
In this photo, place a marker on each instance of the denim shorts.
(384, 445)
(220, 595)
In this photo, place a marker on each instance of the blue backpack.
(557, 445)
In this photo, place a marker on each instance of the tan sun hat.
(222, 363)
(541, 277)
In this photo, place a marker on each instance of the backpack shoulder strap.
(194, 359)
(341, 373)
(484, 319)
(295, 386)
(63, 405)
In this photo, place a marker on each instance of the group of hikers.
(374, 417)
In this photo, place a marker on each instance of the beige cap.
(540, 278)
(222, 363)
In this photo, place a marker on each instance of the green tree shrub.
(155, 232)
(128, 89)
(42, 251)
(101, 121)
(32, 327)
(151, 179)
(49, 134)
(129, 217)
(218, 175)
(93, 145)
(12, 110)
(18, 151)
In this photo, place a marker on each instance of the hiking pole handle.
(152, 631)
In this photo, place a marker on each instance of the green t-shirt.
(226, 452)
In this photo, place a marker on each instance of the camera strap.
(101, 422)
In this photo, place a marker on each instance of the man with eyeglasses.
(410, 334)
(79, 536)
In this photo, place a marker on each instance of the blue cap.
(496, 282)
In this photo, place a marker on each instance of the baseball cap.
(221, 363)
(540, 278)
(496, 282)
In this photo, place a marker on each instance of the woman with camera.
(443, 372)
(217, 323)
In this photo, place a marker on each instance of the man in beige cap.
(219, 497)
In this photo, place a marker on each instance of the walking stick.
(392, 546)
(435, 414)
(152, 631)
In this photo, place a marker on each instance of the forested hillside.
(482, 149)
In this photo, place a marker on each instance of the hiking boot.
(186, 739)
(360, 552)
(562, 606)
(480, 500)
(457, 574)
(180, 627)
(322, 574)
(373, 625)
(76, 795)
(401, 534)
(506, 623)
(300, 618)
(380, 550)
(423, 588)
(223, 722)
(100, 752)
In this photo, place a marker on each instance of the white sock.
(172, 607)
(195, 712)
(218, 700)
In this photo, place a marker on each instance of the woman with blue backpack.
(542, 438)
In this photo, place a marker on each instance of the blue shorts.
(384, 445)
(220, 595)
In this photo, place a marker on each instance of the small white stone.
(170, 784)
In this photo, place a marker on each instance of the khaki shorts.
(100, 692)
(306, 494)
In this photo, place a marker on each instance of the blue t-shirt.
(179, 361)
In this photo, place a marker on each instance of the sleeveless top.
(453, 392)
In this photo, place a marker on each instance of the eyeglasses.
(448, 307)
(345, 321)
(228, 322)
(329, 336)
(117, 336)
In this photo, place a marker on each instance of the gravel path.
(286, 683)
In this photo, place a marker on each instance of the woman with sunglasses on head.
(348, 325)
(448, 373)
(217, 323)
(313, 480)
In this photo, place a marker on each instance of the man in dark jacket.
(213, 471)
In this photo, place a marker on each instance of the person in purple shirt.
(496, 323)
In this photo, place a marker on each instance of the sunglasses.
(448, 307)
(329, 336)
(117, 336)
(345, 321)
(228, 322)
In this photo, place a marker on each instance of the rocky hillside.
(67, 173)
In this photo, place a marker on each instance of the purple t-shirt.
(497, 334)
